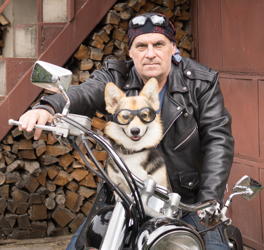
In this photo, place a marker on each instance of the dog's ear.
(112, 96)
(151, 92)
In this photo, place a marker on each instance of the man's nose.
(150, 52)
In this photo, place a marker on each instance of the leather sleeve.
(217, 143)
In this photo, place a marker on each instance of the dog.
(135, 130)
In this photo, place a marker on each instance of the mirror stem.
(231, 196)
(67, 99)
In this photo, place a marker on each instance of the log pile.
(45, 189)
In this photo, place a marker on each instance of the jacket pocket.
(186, 140)
(189, 180)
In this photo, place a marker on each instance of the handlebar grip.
(56, 130)
(13, 122)
(17, 123)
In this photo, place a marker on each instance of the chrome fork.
(115, 234)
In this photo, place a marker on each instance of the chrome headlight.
(168, 235)
(179, 239)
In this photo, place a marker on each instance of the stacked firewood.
(44, 187)
(45, 190)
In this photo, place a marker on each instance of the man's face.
(152, 54)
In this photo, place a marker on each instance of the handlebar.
(159, 191)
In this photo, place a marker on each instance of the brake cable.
(212, 227)
(95, 136)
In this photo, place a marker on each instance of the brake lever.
(211, 216)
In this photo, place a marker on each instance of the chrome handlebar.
(57, 130)
(61, 128)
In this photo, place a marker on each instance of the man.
(197, 141)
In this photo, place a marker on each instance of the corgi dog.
(135, 130)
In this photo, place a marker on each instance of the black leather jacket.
(197, 142)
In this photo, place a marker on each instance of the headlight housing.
(180, 239)
(160, 234)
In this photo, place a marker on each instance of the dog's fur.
(139, 153)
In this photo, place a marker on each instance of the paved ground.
(54, 243)
(247, 248)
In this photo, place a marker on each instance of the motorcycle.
(150, 218)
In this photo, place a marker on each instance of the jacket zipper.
(172, 123)
(186, 139)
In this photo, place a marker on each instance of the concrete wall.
(21, 35)
(21, 38)
(54, 11)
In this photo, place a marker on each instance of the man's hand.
(210, 216)
(32, 117)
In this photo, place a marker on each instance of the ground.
(54, 243)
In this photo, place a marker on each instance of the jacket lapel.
(173, 103)
(133, 83)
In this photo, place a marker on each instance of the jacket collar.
(176, 79)
(134, 82)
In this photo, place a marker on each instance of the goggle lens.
(147, 115)
(124, 117)
(138, 21)
(158, 20)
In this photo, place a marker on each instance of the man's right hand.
(32, 117)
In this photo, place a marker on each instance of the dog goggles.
(125, 116)
(157, 20)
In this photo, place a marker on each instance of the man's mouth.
(151, 64)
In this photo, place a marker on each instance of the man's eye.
(158, 45)
(141, 46)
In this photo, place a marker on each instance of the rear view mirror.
(247, 185)
(51, 77)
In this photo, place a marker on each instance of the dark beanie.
(166, 29)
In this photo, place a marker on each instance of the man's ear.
(174, 49)
(112, 96)
(151, 92)
(130, 53)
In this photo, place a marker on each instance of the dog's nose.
(135, 131)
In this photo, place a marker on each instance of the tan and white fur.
(139, 153)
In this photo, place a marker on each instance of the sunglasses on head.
(125, 116)
(157, 20)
